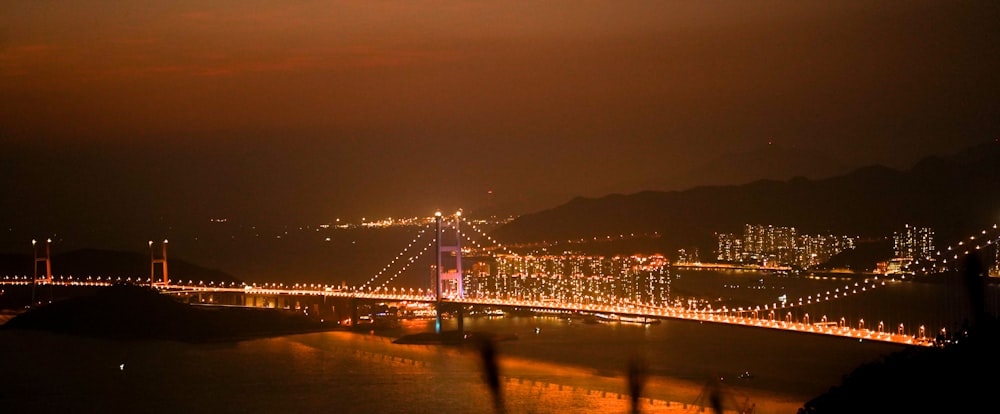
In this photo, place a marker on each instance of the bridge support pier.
(459, 317)
(354, 312)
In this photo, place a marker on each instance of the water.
(565, 367)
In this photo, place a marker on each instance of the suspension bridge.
(629, 294)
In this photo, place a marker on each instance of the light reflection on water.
(565, 367)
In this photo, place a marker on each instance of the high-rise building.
(478, 279)
(730, 247)
(914, 242)
(783, 246)
(687, 256)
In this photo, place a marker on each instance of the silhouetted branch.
(636, 381)
(491, 372)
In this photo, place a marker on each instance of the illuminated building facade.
(574, 279)
(779, 246)
(914, 242)
(477, 279)
(730, 247)
(688, 256)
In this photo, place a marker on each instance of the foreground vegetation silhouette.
(962, 374)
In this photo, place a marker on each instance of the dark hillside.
(863, 257)
(136, 312)
(104, 263)
(956, 196)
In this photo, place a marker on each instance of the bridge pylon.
(44, 257)
(158, 260)
(448, 262)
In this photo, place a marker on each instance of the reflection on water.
(565, 367)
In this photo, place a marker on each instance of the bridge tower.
(161, 260)
(448, 262)
(44, 257)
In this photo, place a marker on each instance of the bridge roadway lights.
(351, 302)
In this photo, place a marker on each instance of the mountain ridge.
(955, 195)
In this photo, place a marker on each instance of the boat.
(639, 319)
(643, 320)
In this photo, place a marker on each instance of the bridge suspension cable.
(483, 234)
(954, 306)
(409, 262)
(987, 237)
(371, 281)
(875, 282)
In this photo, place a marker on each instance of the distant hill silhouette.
(137, 312)
(770, 162)
(955, 195)
(96, 262)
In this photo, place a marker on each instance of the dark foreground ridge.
(136, 312)
(962, 375)
(958, 378)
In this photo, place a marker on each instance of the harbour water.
(555, 366)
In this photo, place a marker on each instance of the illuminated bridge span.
(616, 311)
(448, 292)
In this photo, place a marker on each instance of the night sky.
(113, 113)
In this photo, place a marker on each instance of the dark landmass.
(958, 375)
(958, 378)
(129, 312)
(109, 263)
(956, 196)
(863, 258)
